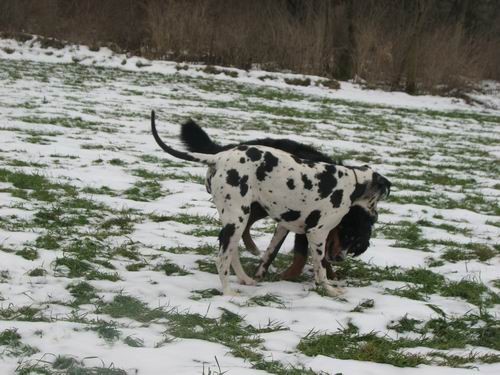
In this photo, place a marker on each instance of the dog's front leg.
(317, 241)
(272, 250)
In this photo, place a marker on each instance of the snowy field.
(107, 244)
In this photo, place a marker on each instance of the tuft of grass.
(124, 306)
(298, 81)
(349, 343)
(11, 340)
(473, 292)
(363, 305)
(82, 293)
(268, 299)
(36, 272)
(134, 342)
(106, 330)
(171, 269)
(144, 191)
(205, 293)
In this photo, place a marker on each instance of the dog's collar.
(355, 176)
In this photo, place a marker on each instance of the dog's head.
(352, 235)
(370, 188)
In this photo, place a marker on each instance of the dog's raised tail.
(197, 140)
(206, 159)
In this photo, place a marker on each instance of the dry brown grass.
(396, 44)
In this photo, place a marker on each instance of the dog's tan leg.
(295, 269)
(249, 243)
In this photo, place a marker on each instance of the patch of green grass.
(134, 267)
(28, 254)
(407, 235)
(106, 330)
(23, 313)
(117, 162)
(37, 272)
(471, 291)
(452, 332)
(205, 249)
(207, 266)
(68, 122)
(228, 330)
(460, 252)
(11, 340)
(65, 365)
(145, 191)
(124, 306)
(34, 186)
(186, 219)
(170, 268)
(204, 232)
(82, 292)
(349, 343)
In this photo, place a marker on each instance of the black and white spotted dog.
(354, 231)
(247, 174)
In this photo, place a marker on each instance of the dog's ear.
(382, 184)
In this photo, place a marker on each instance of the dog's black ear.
(382, 184)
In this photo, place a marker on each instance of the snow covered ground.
(107, 245)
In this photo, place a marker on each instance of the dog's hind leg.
(272, 250)
(229, 238)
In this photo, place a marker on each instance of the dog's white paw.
(248, 281)
(333, 291)
(230, 292)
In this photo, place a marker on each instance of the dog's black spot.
(359, 190)
(242, 160)
(243, 185)
(311, 164)
(240, 219)
(254, 153)
(242, 147)
(290, 184)
(336, 198)
(290, 215)
(228, 196)
(319, 252)
(327, 181)
(341, 174)
(245, 209)
(225, 235)
(270, 161)
(233, 177)
(307, 182)
(312, 219)
(297, 160)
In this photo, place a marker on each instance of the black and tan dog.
(351, 236)
(304, 197)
